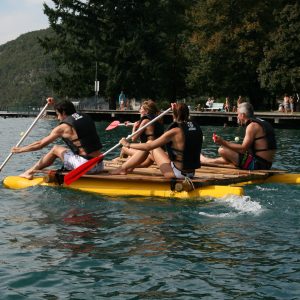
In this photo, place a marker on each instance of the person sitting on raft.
(77, 131)
(183, 141)
(140, 158)
(258, 148)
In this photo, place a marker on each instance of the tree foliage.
(23, 67)
(136, 44)
(226, 46)
(280, 68)
(161, 49)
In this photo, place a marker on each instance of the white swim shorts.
(178, 173)
(73, 161)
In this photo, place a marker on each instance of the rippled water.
(64, 244)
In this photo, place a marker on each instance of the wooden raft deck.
(205, 176)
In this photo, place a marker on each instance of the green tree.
(279, 71)
(23, 70)
(137, 45)
(226, 47)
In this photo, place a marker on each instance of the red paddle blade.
(112, 125)
(214, 137)
(81, 170)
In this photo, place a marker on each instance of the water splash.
(260, 188)
(229, 215)
(240, 204)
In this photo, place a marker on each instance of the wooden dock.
(217, 118)
(277, 119)
(29, 112)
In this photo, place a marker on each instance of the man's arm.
(247, 142)
(55, 134)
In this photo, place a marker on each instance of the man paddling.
(258, 148)
(79, 133)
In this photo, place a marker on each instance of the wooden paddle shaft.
(25, 135)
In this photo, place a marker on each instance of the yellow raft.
(210, 181)
(132, 188)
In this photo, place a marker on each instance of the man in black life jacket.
(77, 131)
(258, 149)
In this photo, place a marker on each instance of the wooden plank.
(204, 168)
(206, 175)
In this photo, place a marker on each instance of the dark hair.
(181, 112)
(66, 107)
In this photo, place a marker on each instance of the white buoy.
(236, 138)
(21, 133)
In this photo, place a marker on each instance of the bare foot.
(27, 175)
(118, 171)
(205, 160)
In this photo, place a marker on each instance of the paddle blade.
(81, 170)
(112, 125)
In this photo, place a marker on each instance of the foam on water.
(240, 204)
(260, 188)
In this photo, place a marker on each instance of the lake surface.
(62, 244)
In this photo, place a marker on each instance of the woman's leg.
(127, 152)
(135, 160)
(163, 161)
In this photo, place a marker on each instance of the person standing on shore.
(292, 104)
(227, 104)
(77, 131)
(238, 102)
(258, 149)
(286, 103)
(122, 99)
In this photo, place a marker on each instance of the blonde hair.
(150, 106)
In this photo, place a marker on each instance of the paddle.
(115, 124)
(81, 170)
(25, 134)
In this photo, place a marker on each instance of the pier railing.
(19, 111)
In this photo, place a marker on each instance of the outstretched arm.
(55, 133)
(162, 140)
(247, 142)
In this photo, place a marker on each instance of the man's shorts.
(248, 161)
(73, 161)
(178, 174)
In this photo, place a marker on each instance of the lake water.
(62, 244)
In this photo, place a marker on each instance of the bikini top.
(157, 132)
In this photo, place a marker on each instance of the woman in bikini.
(183, 141)
(139, 158)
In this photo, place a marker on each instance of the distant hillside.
(23, 68)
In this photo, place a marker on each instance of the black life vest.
(269, 135)
(192, 146)
(86, 132)
(158, 129)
